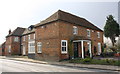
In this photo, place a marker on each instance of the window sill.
(63, 52)
(39, 52)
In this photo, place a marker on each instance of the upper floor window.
(88, 32)
(28, 37)
(16, 39)
(98, 34)
(75, 30)
(34, 36)
(24, 38)
(63, 46)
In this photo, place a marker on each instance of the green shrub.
(96, 61)
(86, 60)
(117, 63)
(77, 60)
(70, 50)
(102, 48)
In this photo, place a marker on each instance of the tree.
(111, 29)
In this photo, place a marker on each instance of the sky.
(23, 13)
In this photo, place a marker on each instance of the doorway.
(75, 50)
(24, 51)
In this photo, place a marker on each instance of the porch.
(81, 47)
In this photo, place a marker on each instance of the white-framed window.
(88, 44)
(34, 36)
(28, 37)
(16, 39)
(39, 47)
(31, 47)
(24, 38)
(99, 48)
(63, 46)
(98, 34)
(75, 30)
(88, 33)
(9, 48)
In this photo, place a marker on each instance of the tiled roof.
(67, 17)
(28, 32)
(17, 32)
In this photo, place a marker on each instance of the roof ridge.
(70, 14)
(68, 17)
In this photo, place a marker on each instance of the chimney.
(9, 31)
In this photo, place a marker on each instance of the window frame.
(98, 34)
(88, 33)
(31, 47)
(33, 36)
(24, 38)
(64, 52)
(99, 49)
(75, 30)
(16, 39)
(28, 37)
(39, 47)
(9, 48)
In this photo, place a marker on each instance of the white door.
(99, 48)
(24, 50)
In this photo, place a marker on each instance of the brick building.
(54, 34)
(13, 42)
(28, 40)
(2, 49)
(56, 38)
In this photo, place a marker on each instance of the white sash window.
(63, 46)
(75, 30)
(39, 47)
(31, 47)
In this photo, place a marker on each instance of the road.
(20, 66)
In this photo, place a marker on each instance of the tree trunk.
(112, 40)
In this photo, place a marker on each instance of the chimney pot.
(9, 31)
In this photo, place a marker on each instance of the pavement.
(66, 63)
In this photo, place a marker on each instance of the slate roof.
(28, 32)
(67, 17)
(17, 32)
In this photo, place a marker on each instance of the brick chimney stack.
(9, 31)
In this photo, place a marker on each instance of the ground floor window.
(63, 46)
(31, 47)
(99, 48)
(39, 47)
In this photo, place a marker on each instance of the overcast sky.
(23, 13)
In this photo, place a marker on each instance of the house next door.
(75, 50)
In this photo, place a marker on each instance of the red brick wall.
(66, 31)
(51, 35)
(25, 42)
(15, 46)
